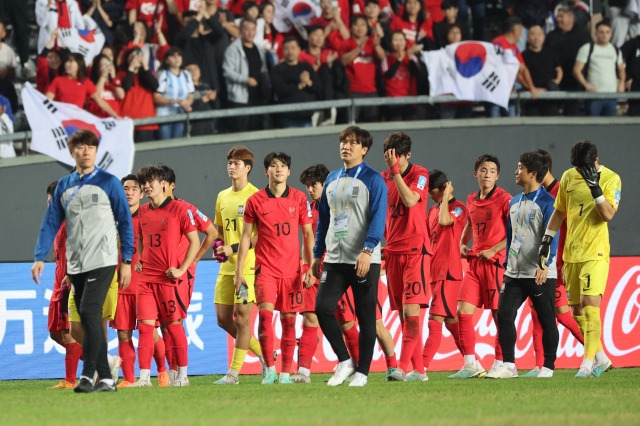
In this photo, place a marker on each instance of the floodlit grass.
(613, 399)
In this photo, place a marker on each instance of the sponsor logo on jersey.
(422, 182)
(202, 215)
(190, 213)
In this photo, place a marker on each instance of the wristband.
(395, 169)
(550, 232)
(600, 199)
(596, 192)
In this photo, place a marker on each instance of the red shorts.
(481, 284)
(284, 293)
(309, 295)
(444, 301)
(346, 309)
(58, 320)
(407, 278)
(561, 295)
(125, 318)
(159, 302)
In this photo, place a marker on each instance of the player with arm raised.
(277, 211)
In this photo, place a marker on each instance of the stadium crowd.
(141, 58)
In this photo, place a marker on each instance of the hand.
(592, 179)
(590, 88)
(238, 280)
(305, 78)
(541, 275)
(211, 95)
(486, 254)
(628, 84)
(222, 17)
(225, 250)
(66, 281)
(544, 251)
(414, 49)
(124, 276)
(448, 190)
(36, 271)
(186, 105)
(315, 268)
(534, 93)
(309, 279)
(391, 160)
(464, 250)
(138, 267)
(621, 87)
(174, 273)
(252, 82)
(363, 262)
(158, 24)
(379, 30)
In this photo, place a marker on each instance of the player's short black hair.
(313, 174)
(169, 173)
(282, 156)
(52, 187)
(437, 179)
(151, 172)
(82, 137)
(486, 158)
(547, 157)
(584, 153)
(361, 135)
(132, 177)
(399, 141)
(535, 162)
(290, 39)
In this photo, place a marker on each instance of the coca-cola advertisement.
(620, 311)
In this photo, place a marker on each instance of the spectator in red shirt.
(152, 52)
(359, 56)
(332, 20)
(378, 23)
(108, 86)
(50, 63)
(415, 23)
(400, 70)
(266, 34)
(151, 12)
(75, 88)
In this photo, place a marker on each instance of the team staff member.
(96, 212)
(351, 220)
(589, 196)
(407, 252)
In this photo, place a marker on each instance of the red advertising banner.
(620, 311)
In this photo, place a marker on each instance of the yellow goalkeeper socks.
(593, 332)
(238, 358)
(254, 346)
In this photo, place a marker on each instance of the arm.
(133, 16)
(50, 224)
(309, 241)
(488, 254)
(147, 80)
(409, 197)
(210, 234)
(243, 249)
(524, 77)
(194, 244)
(324, 215)
(104, 106)
(350, 56)
(622, 77)
(577, 74)
(467, 234)
(444, 217)
(231, 58)
(559, 75)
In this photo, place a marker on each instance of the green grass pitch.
(613, 399)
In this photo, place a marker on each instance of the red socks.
(454, 329)
(308, 345)
(179, 339)
(433, 342)
(351, 338)
(391, 361)
(410, 338)
(467, 334)
(567, 320)
(169, 352)
(265, 335)
(145, 345)
(498, 349)
(287, 342)
(536, 334)
(71, 358)
(159, 354)
(128, 355)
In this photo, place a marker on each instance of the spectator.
(545, 70)
(74, 87)
(441, 29)
(507, 41)
(434, 10)
(332, 20)
(294, 82)
(106, 14)
(153, 52)
(604, 68)
(152, 12)
(415, 24)
(622, 24)
(8, 65)
(139, 84)
(17, 12)
(174, 94)
(52, 14)
(108, 86)
(245, 73)
(380, 26)
(50, 63)
(7, 55)
(266, 34)
(6, 128)
(203, 100)
(400, 71)
(631, 55)
(359, 56)
(564, 41)
(531, 12)
(251, 11)
(197, 40)
(588, 13)
(478, 14)
(109, 52)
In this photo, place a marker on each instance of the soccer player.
(95, 209)
(58, 317)
(351, 221)
(205, 226)
(589, 195)
(445, 223)
(232, 313)
(529, 214)
(276, 212)
(488, 211)
(407, 252)
(162, 224)
(563, 312)
(313, 178)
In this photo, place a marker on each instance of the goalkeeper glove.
(544, 251)
(592, 178)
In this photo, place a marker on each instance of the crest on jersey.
(292, 211)
(456, 212)
(422, 182)
(354, 193)
(240, 210)
(488, 213)
(164, 224)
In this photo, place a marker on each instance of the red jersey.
(162, 229)
(277, 220)
(71, 90)
(488, 217)
(109, 96)
(135, 276)
(405, 229)
(138, 102)
(361, 71)
(434, 9)
(411, 30)
(60, 257)
(400, 84)
(201, 221)
(310, 59)
(146, 10)
(502, 42)
(445, 242)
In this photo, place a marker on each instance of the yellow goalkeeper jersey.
(229, 213)
(587, 233)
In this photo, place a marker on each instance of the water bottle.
(244, 293)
